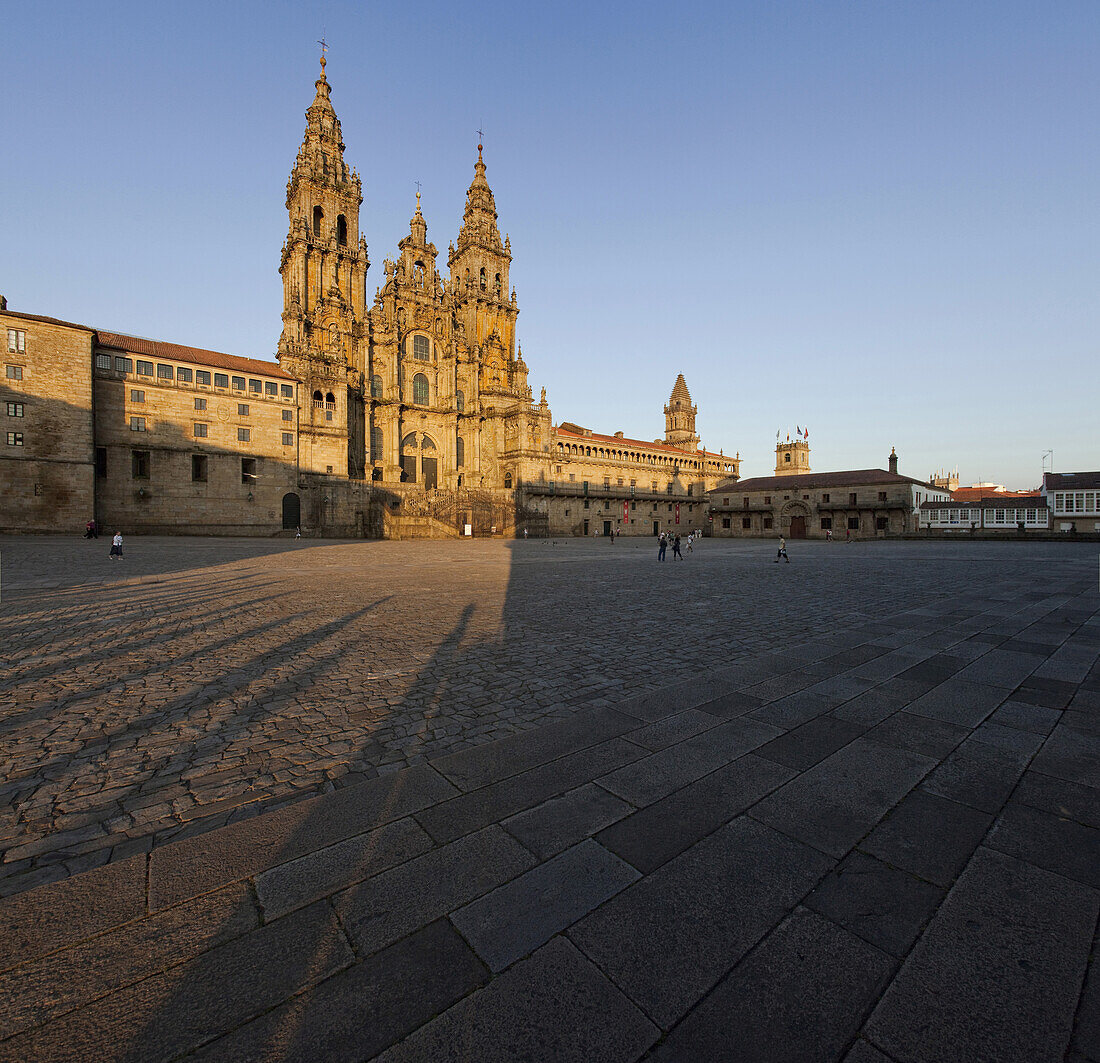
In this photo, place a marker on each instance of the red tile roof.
(47, 320)
(622, 441)
(177, 352)
(811, 480)
(970, 494)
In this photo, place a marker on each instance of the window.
(853, 523)
(271, 388)
(460, 452)
(242, 409)
(767, 523)
(881, 523)
(341, 230)
(460, 404)
(144, 368)
(15, 409)
(420, 389)
(137, 424)
(483, 278)
(200, 404)
(882, 496)
(826, 523)
(15, 439)
(103, 361)
(607, 481)
(318, 218)
(852, 499)
(200, 430)
(238, 383)
(202, 376)
(137, 396)
(198, 468)
(787, 457)
(101, 462)
(248, 470)
(421, 348)
(14, 372)
(184, 375)
(767, 500)
(376, 386)
(376, 443)
(288, 439)
(139, 464)
(221, 380)
(508, 480)
(255, 386)
(164, 372)
(244, 435)
(123, 365)
(746, 524)
(287, 391)
(288, 415)
(586, 503)
(825, 498)
(726, 522)
(17, 341)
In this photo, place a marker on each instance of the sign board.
(677, 512)
(468, 529)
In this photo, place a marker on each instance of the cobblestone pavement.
(550, 801)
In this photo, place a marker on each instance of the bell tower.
(479, 281)
(792, 457)
(680, 418)
(324, 267)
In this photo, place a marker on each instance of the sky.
(877, 221)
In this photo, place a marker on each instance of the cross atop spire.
(324, 48)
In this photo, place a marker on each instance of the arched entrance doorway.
(795, 519)
(292, 511)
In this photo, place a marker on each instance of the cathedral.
(406, 415)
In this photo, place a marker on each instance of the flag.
(797, 430)
(777, 431)
(807, 434)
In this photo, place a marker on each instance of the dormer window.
(318, 218)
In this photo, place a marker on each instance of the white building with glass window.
(1016, 513)
(1074, 501)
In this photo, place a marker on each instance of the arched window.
(460, 453)
(498, 284)
(341, 230)
(508, 480)
(420, 389)
(460, 401)
(376, 386)
(330, 399)
(318, 399)
(318, 218)
(483, 278)
(376, 443)
(427, 443)
(421, 348)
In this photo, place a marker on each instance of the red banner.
(626, 512)
(677, 512)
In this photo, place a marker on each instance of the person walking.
(90, 531)
(848, 535)
(116, 546)
(662, 546)
(676, 548)
(782, 551)
(525, 531)
(828, 535)
(298, 532)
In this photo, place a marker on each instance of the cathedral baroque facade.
(428, 386)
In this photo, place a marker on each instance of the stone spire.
(680, 417)
(479, 219)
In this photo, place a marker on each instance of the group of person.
(91, 531)
(665, 539)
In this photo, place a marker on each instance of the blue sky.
(879, 220)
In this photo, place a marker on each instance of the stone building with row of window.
(860, 503)
(408, 414)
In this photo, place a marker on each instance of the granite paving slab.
(800, 997)
(1010, 943)
(563, 821)
(554, 1005)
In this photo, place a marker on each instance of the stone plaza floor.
(481, 801)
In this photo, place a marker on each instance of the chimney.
(893, 461)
